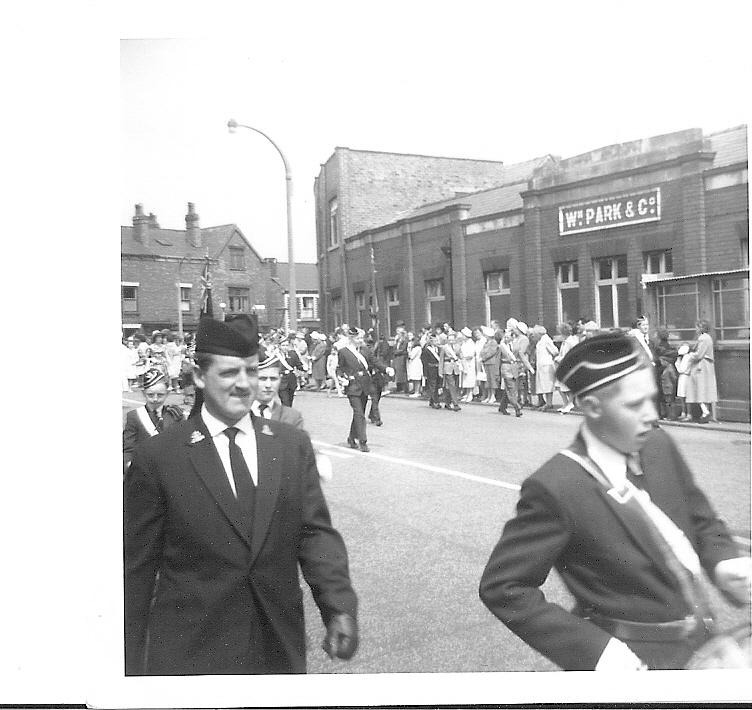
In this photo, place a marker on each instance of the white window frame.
(433, 299)
(337, 314)
(333, 223)
(237, 253)
(661, 253)
(488, 292)
(246, 294)
(303, 312)
(613, 281)
(391, 297)
(565, 285)
(129, 284)
(360, 306)
(185, 303)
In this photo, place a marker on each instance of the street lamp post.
(232, 124)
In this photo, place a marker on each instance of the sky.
(475, 80)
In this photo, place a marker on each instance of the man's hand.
(390, 371)
(341, 638)
(617, 656)
(734, 578)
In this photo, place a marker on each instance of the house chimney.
(272, 262)
(140, 225)
(153, 224)
(192, 230)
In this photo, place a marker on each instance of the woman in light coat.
(480, 373)
(414, 365)
(701, 385)
(570, 340)
(545, 352)
(467, 357)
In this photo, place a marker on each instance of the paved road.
(421, 513)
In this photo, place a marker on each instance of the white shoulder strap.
(148, 424)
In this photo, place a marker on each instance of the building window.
(238, 300)
(731, 308)
(611, 291)
(658, 262)
(337, 311)
(568, 291)
(333, 223)
(237, 258)
(185, 298)
(306, 307)
(497, 293)
(679, 308)
(129, 295)
(361, 315)
(391, 294)
(436, 310)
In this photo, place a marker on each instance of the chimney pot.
(140, 225)
(192, 229)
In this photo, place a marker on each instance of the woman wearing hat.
(414, 365)
(570, 340)
(545, 352)
(467, 360)
(318, 360)
(701, 386)
(489, 356)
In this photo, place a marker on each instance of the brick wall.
(727, 223)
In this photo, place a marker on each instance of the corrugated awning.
(665, 278)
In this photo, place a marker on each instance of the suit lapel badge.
(197, 436)
(266, 430)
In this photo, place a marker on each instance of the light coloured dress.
(467, 356)
(701, 385)
(545, 352)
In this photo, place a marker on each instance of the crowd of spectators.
(508, 364)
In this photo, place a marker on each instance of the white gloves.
(735, 577)
(390, 371)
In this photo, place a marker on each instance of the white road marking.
(433, 469)
(336, 454)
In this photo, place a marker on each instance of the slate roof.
(306, 276)
(730, 146)
(173, 242)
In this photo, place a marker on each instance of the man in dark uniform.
(430, 358)
(619, 516)
(354, 365)
(220, 513)
(152, 418)
(378, 382)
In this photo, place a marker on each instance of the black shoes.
(518, 412)
(352, 443)
(503, 411)
(364, 447)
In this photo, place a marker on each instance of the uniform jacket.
(226, 601)
(134, 432)
(359, 377)
(449, 362)
(566, 520)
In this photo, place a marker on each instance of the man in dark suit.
(430, 358)
(354, 365)
(151, 418)
(619, 516)
(220, 511)
(267, 403)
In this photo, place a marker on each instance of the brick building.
(161, 271)
(306, 291)
(658, 224)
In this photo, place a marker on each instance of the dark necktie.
(156, 419)
(262, 410)
(244, 487)
(634, 472)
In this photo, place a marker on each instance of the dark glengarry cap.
(600, 360)
(237, 337)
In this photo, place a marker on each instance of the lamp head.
(232, 124)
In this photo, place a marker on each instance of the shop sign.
(634, 208)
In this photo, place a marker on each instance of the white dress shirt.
(256, 408)
(245, 439)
